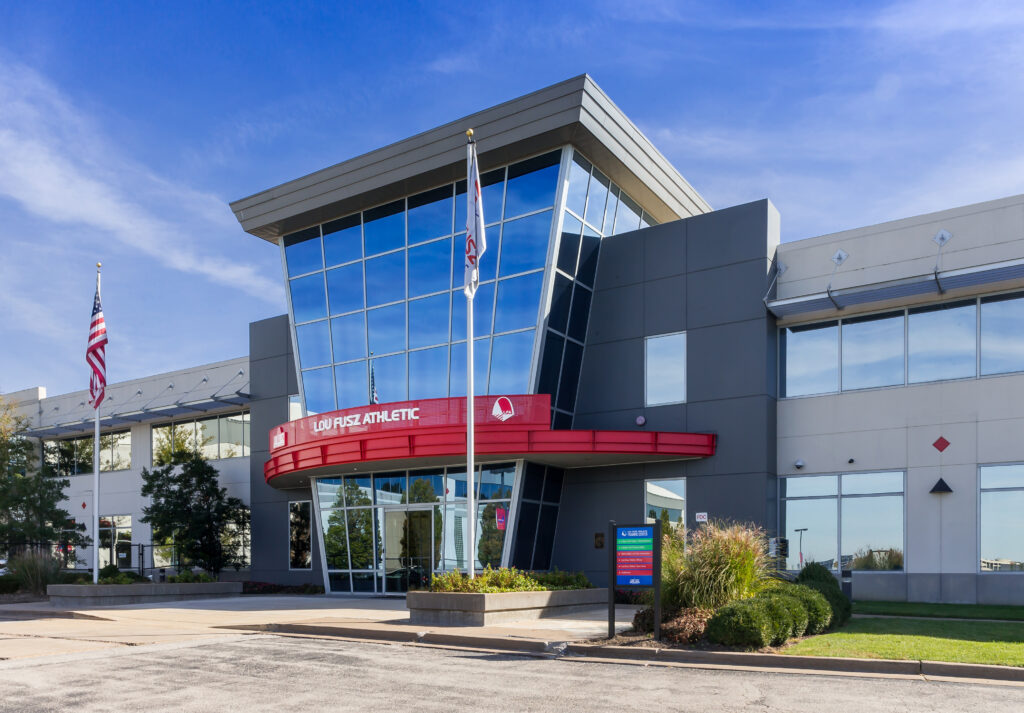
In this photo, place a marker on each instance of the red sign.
(410, 416)
(499, 518)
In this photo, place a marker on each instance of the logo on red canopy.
(503, 410)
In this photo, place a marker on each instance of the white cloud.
(58, 166)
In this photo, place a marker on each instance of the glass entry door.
(409, 546)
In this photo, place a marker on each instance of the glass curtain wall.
(380, 292)
(538, 516)
(594, 208)
(389, 532)
(853, 521)
(956, 340)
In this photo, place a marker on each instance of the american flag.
(95, 353)
(374, 398)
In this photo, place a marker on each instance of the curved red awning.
(431, 432)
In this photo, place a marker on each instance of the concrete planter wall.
(105, 595)
(463, 609)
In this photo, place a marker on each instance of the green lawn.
(956, 611)
(960, 641)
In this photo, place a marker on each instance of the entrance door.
(408, 549)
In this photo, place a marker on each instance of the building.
(639, 356)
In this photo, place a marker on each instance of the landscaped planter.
(105, 595)
(471, 609)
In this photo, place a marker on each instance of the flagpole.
(470, 415)
(96, 478)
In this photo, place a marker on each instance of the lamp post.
(801, 530)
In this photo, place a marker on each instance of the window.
(300, 542)
(873, 351)
(942, 342)
(116, 541)
(213, 437)
(665, 369)
(73, 456)
(538, 516)
(1002, 528)
(852, 521)
(810, 357)
(665, 500)
(1002, 334)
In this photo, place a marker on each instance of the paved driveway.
(270, 673)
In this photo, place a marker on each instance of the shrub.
(489, 581)
(819, 613)
(688, 627)
(75, 578)
(557, 579)
(8, 584)
(796, 613)
(837, 601)
(780, 618)
(189, 577)
(814, 572)
(643, 620)
(721, 563)
(33, 570)
(108, 571)
(745, 623)
(870, 559)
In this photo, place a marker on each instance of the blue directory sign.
(634, 556)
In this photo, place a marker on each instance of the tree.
(30, 496)
(492, 540)
(209, 529)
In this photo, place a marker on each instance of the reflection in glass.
(430, 214)
(492, 192)
(941, 342)
(873, 351)
(300, 535)
(360, 537)
(871, 483)
(570, 376)
(811, 358)
(314, 342)
(495, 481)
(206, 438)
(599, 184)
(561, 296)
(309, 301)
(428, 320)
(348, 334)
(811, 526)
(429, 266)
(343, 240)
(457, 378)
(518, 300)
(1001, 476)
(491, 526)
(665, 500)
(335, 545)
(345, 288)
(809, 486)
(353, 384)
(318, 387)
(483, 304)
(329, 494)
(627, 215)
(579, 177)
(872, 533)
(551, 364)
(580, 313)
(510, 363)
(524, 244)
(1002, 531)
(426, 486)
(589, 246)
(384, 227)
(531, 184)
(1002, 334)
(665, 369)
(358, 492)
(428, 373)
(386, 329)
(389, 488)
(302, 252)
(385, 279)
(389, 378)
(609, 213)
(569, 244)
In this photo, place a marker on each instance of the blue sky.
(126, 128)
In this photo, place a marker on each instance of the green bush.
(745, 624)
(187, 576)
(75, 578)
(780, 618)
(489, 581)
(814, 572)
(796, 613)
(108, 571)
(838, 601)
(819, 613)
(719, 564)
(8, 584)
(33, 570)
(557, 579)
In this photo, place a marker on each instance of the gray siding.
(707, 276)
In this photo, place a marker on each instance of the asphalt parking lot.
(250, 673)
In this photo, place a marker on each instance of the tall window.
(665, 369)
(1002, 528)
(852, 521)
(300, 535)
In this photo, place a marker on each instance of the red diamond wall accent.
(941, 444)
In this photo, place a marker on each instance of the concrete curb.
(655, 656)
(19, 614)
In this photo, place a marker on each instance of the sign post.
(634, 560)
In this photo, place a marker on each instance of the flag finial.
(469, 133)
(99, 265)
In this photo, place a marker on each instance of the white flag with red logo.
(476, 240)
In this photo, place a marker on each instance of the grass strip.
(954, 611)
(915, 639)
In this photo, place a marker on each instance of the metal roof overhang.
(374, 452)
(933, 283)
(84, 427)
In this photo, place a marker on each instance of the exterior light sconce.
(799, 463)
(850, 461)
(641, 420)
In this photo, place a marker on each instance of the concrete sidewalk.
(37, 629)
